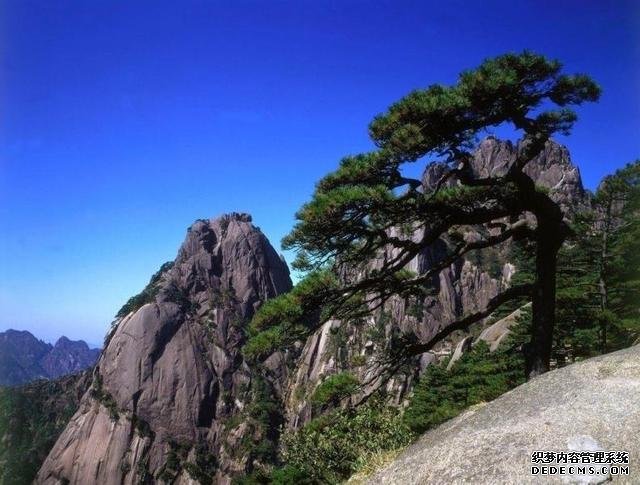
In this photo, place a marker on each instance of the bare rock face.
(593, 405)
(551, 169)
(494, 334)
(462, 288)
(171, 378)
(172, 391)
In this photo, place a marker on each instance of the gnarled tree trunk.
(538, 352)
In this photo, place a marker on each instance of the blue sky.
(122, 122)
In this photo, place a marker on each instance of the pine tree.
(357, 212)
(619, 258)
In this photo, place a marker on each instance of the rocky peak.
(551, 169)
(464, 287)
(62, 341)
(68, 356)
(172, 372)
(230, 253)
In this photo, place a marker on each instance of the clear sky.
(123, 122)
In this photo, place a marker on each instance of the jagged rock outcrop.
(464, 287)
(24, 358)
(493, 335)
(172, 392)
(551, 169)
(593, 405)
(171, 383)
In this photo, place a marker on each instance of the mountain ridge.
(172, 387)
(24, 358)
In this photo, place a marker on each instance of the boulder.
(593, 405)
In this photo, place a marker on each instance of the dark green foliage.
(264, 343)
(202, 469)
(263, 415)
(142, 427)
(279, 322)
(376, 332)
(598, 284)
(173, 465)
(348, 221)
(290, 475)
(333, 446)
(338, 341)
(147, 295)
(489, 259)
(205, 466)
(31, 419)
(478, 376)
(619, 283)
(142, 470)
(577, 333)
(104, 397)
(287, 475)
(335, 388)
(180, 297)
(415, 308)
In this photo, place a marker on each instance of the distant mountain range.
(24, 358)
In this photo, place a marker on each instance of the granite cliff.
(174, 401)
(462, 288)
(171, 385)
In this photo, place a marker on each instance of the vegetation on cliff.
(576, 274)
(348, 222)
(31, 419)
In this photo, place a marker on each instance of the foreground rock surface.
(591, 405)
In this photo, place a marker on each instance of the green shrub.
(289, 317)
(147, 295)
(332, 447)
(263, 415)
(141, 426)
(335, 388)
(263, 344)
(31, 419)
(477, 377)
(104, 397)
(202, 472)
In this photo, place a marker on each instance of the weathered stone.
(590, 405)
(464, 287)
(494, 334)
(172, 371)
(461, 348)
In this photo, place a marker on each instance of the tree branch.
(467, 321)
